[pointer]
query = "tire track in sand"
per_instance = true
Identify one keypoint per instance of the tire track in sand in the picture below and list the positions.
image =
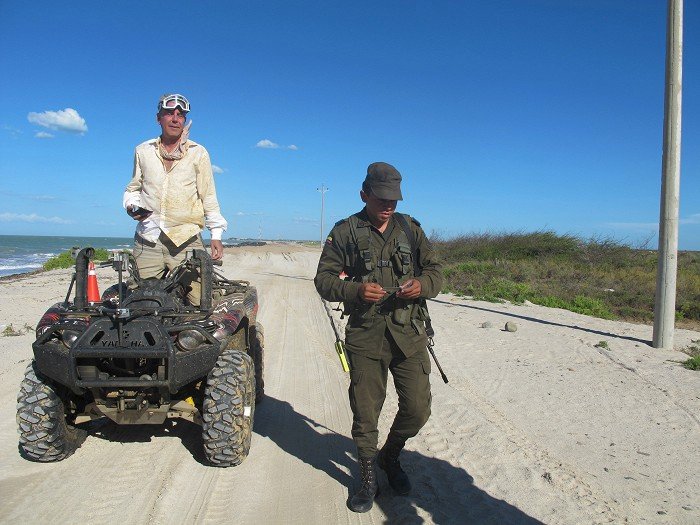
(476, 431)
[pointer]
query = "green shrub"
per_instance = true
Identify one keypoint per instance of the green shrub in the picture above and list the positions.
(65, 259)
(589, 306)
(693, 350)
(9, 331)
(499, 289)
(693, 363)
(600, 276)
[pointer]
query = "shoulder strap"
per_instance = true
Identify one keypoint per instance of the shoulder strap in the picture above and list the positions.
(403, 222)
(362, 243)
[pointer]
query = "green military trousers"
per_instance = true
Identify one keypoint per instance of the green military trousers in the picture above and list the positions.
(367, 392)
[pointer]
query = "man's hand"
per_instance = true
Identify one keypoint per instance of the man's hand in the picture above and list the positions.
(371, 292)
(410, 289)
(137, 213)
(217, 249)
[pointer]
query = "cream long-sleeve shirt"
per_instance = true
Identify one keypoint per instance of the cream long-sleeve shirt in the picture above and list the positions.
(183, 199)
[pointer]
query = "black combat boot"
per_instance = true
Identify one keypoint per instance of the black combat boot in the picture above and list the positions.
(388, 460)
(363, 499)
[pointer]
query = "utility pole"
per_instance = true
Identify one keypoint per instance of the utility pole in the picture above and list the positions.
(323, 190)
(665, 306)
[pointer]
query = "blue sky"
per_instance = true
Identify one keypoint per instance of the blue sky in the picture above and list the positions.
(507, 115)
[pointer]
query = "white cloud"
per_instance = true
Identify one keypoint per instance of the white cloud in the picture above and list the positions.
(268, 144)
(693, 219)
(12, 131)
(633, 225)
(33, 217)
(43, 135)
(62, 120)
(216, 169)
(42, 197)
(248, 214)
(30, 196)
(305, 220)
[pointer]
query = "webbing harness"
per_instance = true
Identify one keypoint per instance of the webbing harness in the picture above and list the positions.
(366, 265)
(406, 252)
(362, 244)
(417, 270)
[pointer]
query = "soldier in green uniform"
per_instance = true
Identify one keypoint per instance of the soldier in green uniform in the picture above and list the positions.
(386, 327)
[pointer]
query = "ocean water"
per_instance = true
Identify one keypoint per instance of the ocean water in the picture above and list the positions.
(26, 253)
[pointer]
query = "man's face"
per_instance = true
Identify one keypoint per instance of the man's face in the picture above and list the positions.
(379, 210)
(171, 122)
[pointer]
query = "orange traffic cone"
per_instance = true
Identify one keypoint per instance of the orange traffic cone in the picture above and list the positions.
(93, 292)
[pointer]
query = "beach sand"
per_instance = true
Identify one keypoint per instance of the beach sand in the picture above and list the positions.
(569, 419)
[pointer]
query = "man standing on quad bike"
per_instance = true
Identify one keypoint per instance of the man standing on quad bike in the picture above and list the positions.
(173, 197)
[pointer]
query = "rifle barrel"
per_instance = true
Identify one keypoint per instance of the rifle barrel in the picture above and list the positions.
(432, 353)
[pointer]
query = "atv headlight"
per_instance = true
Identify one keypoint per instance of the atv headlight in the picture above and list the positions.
(189, 340)
(69, 337)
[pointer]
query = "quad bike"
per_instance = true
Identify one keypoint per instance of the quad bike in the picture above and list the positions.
(141, 354)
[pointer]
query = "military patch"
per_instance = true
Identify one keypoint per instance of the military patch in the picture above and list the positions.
(329, 240)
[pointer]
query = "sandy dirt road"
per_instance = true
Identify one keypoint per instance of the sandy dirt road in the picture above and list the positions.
(538, 425)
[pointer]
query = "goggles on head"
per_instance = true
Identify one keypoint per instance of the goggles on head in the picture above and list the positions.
(173, 101)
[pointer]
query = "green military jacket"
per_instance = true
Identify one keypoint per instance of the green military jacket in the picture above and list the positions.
(390, 265)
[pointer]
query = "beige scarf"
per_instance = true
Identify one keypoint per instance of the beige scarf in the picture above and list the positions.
(181, 148)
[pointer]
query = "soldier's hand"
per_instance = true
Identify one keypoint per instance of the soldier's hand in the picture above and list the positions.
(371, 292)
(410, 289)
(217, 249)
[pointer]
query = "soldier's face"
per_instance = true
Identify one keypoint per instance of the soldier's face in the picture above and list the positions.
(379, 210)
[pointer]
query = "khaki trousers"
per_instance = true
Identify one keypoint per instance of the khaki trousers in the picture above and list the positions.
(153, 258)
(368, 379)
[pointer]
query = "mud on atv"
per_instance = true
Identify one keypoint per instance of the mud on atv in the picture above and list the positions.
(142, 355)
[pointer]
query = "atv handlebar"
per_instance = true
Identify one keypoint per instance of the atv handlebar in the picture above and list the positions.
(195, 260)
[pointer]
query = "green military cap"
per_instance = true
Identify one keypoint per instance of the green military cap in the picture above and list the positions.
(384, 181)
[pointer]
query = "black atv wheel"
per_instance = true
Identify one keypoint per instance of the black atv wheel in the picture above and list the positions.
(228, 409)
(44, 433)
(257, 350)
